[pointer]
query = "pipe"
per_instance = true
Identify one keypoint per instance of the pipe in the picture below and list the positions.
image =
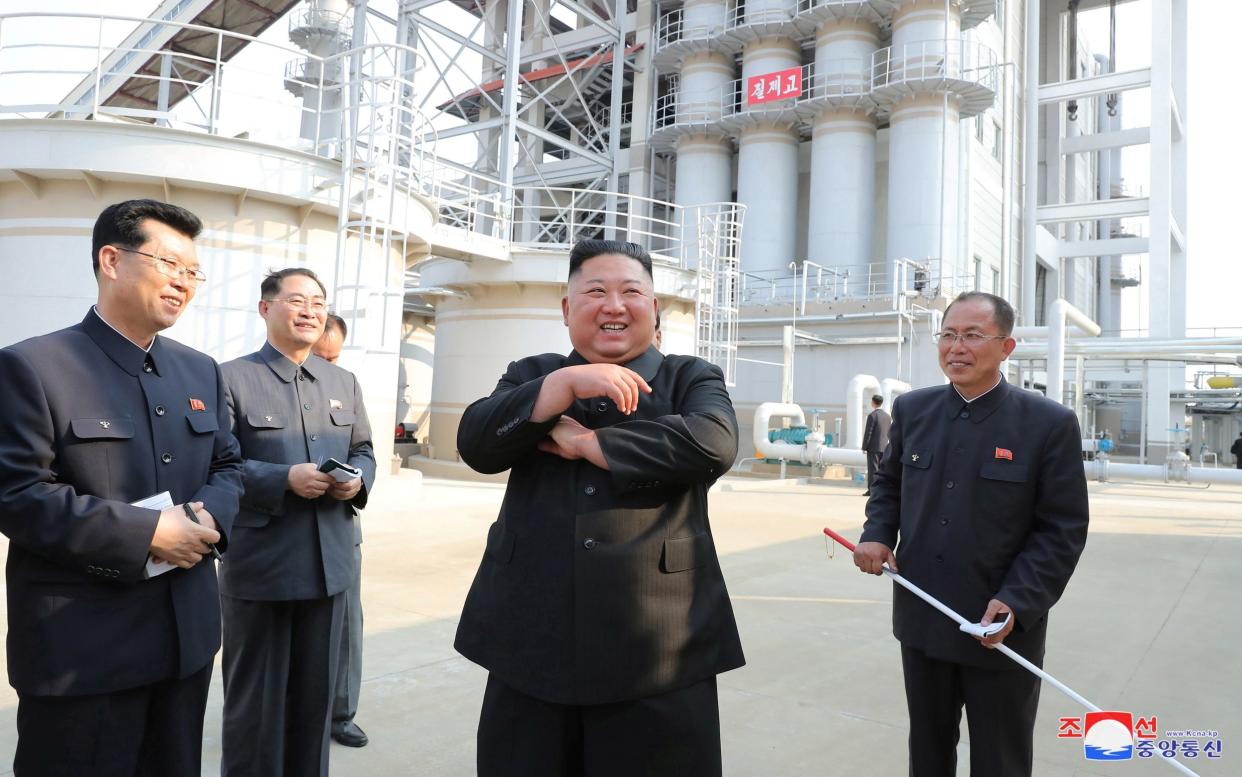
(857, 398)
(764, 414)
(891, 388)
(1059, 313)
(813, 452)
(1176, 471)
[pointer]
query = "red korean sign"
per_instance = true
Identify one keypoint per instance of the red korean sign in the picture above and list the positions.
(781, 85)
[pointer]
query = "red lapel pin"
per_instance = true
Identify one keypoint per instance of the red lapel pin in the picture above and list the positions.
(1004, 453)
(197, 404)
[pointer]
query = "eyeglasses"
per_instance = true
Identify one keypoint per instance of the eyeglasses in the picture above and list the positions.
(316, 305)
(972, 339)
(170, 268)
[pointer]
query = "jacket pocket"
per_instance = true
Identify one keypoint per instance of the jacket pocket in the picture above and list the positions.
(202, 423)
(917, 459)
(1001, 470)
(266, 420)
(343, 417)
(114, 428)
(251, 519)
(500, 543)
(683, 553)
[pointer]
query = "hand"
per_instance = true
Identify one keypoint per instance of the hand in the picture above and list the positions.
(587, 381)
(308, 482)
(205, 518)
(571, 440)
(180, 541)
(996, 607)
(870, 557)
(345, 491)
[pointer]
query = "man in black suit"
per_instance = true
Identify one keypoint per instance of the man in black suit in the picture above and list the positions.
(983, 497)
(599, 608)
(1236, 450)
(875, 437)
(111, 665)
(284, 578)
(349, 668)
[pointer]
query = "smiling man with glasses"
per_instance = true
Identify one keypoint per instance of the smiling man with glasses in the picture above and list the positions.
(111, 665)
(981, 499)
(283, 581)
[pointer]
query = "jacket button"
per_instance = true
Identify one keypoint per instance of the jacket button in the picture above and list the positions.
(306, 405)
(148, 367)
(589, 543)
(602, 406)
(939, 558)
(590, 490)
(159, 410)
(500, 432)
(314, 437)
(944, 521)
(167, 458)
(90, 569)
(965, 414)
(949, 484)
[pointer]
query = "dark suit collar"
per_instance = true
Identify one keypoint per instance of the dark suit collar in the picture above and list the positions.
(646, 364)
(284, 367)
(979, 409)
(120, 348)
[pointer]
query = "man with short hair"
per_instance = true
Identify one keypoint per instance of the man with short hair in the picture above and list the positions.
(111, 664)
(875, 437)
(1236, 450)
(284, 578)
(599, 608)
(349, 668)
(982, 499)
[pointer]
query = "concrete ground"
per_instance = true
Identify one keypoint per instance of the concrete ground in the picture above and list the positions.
(1149, 624)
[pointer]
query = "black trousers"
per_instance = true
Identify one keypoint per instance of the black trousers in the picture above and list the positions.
(152, 730)
(1000, 712)
(873, 463)
(280, 661)
(676, 734)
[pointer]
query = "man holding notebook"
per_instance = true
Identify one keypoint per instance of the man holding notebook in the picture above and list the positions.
(111, 664)
(302, 427)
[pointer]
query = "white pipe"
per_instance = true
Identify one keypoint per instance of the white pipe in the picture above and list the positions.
(763, 415)
(1030, 162)
(891, 388)
(1059, 313)
(1104, 470)
(857, 398)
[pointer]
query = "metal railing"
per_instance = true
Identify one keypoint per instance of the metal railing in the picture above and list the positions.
(934, 63)
(811, 282)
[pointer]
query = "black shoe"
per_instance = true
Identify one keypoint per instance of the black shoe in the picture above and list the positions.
(350, 735)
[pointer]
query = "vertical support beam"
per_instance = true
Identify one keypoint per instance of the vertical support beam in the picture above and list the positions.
(1030, 162)
(1165, 303)
(614, 118)
(513, 59)
(787, 361)
(165, 77)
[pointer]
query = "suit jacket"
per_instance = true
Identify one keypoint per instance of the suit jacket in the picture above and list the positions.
(90, 424)
(603, 585)
(981, 500)
(1236, 448)
(285, 547)
(875, 435)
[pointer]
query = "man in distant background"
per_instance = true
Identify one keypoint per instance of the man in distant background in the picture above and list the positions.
(1236, 450)
(875, 438)
(349, 668)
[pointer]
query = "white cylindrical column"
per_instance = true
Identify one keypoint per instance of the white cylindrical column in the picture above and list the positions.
(767, 169)
(702, 18)
(842, 151)
(923, 139)
(704, 171)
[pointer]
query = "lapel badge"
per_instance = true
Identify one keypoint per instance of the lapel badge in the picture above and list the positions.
(914, 457)
(197, 404)
(106, 424)
(267, 418)
(1004, 453)
(336, 404)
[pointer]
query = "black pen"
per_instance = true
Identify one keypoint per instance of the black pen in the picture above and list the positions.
(189, 513)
